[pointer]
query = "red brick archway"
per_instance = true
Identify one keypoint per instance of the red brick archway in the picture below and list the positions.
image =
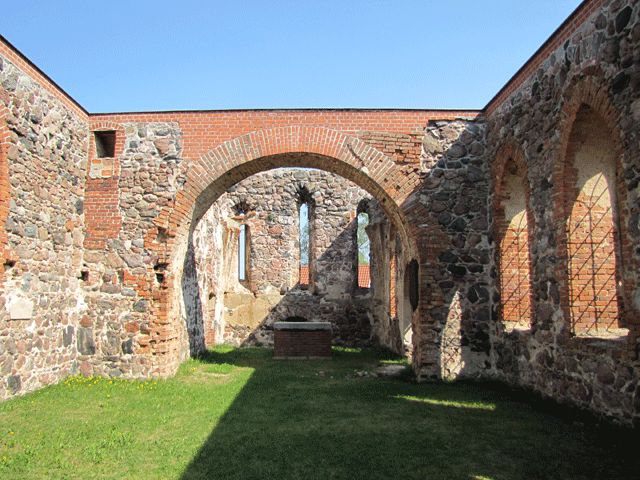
(230, 162)
(331, 150)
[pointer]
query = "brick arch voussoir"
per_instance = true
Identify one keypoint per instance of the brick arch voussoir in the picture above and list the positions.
(507, 151)
(360, 162)
(590, 90)
(355, 160)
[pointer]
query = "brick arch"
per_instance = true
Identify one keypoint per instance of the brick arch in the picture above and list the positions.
(316, 147)
(230, 162)
(509, 150)
(513, 253)
(590, 89)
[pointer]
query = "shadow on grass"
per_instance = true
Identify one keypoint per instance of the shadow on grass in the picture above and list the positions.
(328, 419)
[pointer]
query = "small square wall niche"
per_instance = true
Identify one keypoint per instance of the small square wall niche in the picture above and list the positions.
(105, 143)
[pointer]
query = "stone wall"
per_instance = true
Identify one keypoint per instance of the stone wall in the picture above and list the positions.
(155, 302)
(456, 286)
(571, 117)
(242, 312)
(122, 272)
(108, 268)
(43, 159)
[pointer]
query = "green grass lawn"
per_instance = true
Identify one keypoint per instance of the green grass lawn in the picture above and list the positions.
(240, 414)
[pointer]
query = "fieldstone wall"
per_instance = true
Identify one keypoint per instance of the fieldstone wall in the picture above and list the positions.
(594, 71)
(122, 271)
(456, 288)
(42, 182)
(242, 312)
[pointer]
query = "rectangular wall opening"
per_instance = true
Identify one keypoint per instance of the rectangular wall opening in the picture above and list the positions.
(105, 143)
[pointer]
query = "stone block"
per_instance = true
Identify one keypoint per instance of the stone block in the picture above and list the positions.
(67, 336)
(86, 343)
(19, 306)
(14, 383)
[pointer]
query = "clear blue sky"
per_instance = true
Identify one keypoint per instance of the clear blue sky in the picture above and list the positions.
(183, 54)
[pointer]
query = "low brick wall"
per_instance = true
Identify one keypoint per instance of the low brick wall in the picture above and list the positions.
(299, 342)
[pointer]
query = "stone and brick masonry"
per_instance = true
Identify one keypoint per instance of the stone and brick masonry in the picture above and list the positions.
(242, 312)
(100, 253)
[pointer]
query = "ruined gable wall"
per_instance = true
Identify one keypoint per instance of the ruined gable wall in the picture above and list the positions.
(158, 335)
(42, 179)
(595, 61)
(446, 214)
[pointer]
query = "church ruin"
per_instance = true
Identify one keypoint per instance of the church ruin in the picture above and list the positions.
(502, 243)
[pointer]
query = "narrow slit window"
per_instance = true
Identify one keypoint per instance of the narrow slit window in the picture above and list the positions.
(105, 144)
(393, 298)
(363, 251)
(413, 283)
(242, 253)
(304, 244)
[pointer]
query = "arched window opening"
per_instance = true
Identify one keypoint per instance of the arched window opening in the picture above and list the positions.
(591, 227)
(514, 257)
(242, 213)
(304, 244)
(243, 253)
(241, 209)
(363, 251)
(305, 210)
